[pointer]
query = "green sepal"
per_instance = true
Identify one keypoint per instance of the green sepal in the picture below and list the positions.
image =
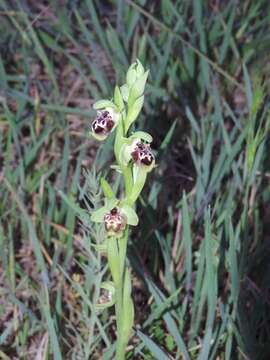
(132, 217)
(118, 99)
(142, 135)
(106, 188)
(102, 104)
(111, 203)
(133, 111)
(98, 215)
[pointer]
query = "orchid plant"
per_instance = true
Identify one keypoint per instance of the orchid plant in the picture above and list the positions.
(134, 160)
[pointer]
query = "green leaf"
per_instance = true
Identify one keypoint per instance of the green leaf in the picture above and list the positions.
(132, 217)
(156, 351)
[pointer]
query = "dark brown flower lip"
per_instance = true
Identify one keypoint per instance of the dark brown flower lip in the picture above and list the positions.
(103, 123)
(114, 221)
(142, 154)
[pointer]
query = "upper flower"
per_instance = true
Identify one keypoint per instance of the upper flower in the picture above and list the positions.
(104, 123)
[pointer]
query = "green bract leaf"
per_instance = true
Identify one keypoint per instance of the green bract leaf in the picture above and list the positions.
(118, 99)
(134, 111)
(132, 217)
(102, 104)
(107, 190)
(142, 135)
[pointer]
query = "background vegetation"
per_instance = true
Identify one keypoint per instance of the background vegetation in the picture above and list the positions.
(200, 257)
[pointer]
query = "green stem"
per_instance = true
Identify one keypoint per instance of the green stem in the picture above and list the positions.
(121, 342)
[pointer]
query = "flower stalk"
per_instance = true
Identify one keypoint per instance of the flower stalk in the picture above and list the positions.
(134, 160)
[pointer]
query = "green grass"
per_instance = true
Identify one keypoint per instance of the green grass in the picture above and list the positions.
(200, 256)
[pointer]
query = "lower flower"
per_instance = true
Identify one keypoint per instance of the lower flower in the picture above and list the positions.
(115, 222)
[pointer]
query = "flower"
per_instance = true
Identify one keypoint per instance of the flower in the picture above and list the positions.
(115, 216)
(141, 153)
(104, 123)
(137, 149)
(115, 222)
